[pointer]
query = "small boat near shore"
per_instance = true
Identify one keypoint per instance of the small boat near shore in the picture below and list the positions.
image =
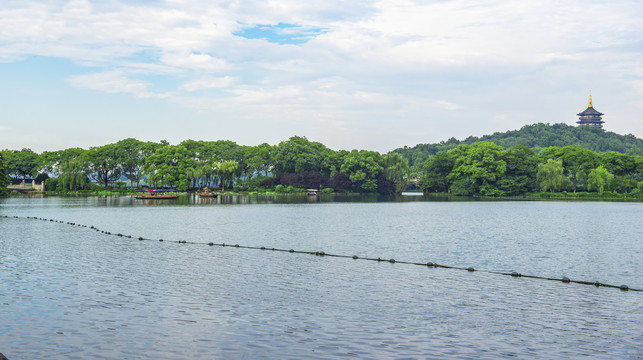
(207, 193)
(157, 197)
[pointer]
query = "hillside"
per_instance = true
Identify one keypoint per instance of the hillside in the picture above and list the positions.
(535, 136)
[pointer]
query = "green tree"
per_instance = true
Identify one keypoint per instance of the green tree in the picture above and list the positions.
(363, 168)
(4, 178)
(130, 157)
(520, 176)
(105, 165)
(436, 171)
(578, 162)
(298, 155)
(21, 164)
(599, 178)
(619, 164)
(168, 166)
(73, 168)
(396, 170)
(259, 158)
(226, 169)
(478, 169)
(550, 175)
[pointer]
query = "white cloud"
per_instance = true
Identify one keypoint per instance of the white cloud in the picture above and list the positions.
(210, 83)
(114, 82)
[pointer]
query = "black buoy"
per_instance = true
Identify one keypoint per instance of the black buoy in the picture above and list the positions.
(597, 284)
(515, 274)
(471, 269)
(160, 239)
(355, 257)
(392, 261)
(140, 238)
(429, 264)
(291, 250)
(236, 245)
(263, 248)
(211, 243)
(565, 279)
(624, 287)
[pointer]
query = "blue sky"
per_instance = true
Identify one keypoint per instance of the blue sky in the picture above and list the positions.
(363, 74)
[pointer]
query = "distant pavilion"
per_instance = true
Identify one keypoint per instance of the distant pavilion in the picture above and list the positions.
(590, 117)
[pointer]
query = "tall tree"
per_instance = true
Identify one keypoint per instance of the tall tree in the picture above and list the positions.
(577, 162)
(21, 163)
(396, 170)
(550, 175)
(478, 169)
(298, 155)
(520, 176)
(436, 171)
(4, 178)
(363, 167)
(105, 163)
(226, 169)
(168, 166)
(130, 156)
(599, 178)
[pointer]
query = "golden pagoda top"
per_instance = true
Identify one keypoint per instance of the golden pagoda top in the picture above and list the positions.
(590, 98)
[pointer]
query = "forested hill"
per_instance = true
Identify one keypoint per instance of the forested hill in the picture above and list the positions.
(536, 137)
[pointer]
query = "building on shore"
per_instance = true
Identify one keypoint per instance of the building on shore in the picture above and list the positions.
(590, 117)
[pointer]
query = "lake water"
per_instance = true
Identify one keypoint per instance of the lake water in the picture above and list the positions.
(71, 292)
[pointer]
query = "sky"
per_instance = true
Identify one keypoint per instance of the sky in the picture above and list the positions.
(374, 75)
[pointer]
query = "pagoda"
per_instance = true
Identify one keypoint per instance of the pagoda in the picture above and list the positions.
(590, 117)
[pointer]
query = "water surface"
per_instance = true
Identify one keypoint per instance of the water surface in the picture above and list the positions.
(71, 292)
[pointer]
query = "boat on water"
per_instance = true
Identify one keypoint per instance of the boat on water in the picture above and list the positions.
(156, 197)
(206, 193)
(312, 192)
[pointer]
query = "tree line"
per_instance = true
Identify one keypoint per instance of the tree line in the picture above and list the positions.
(481, 168)
(191, 164)
(536, 137)
(484, 168)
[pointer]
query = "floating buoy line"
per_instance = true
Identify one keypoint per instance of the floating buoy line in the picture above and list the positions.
(354, 257)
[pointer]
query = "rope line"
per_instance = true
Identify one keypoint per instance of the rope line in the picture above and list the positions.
(354, 257)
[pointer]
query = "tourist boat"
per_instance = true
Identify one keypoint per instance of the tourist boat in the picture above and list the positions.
(206, 193)
(157, 197)
(312, 192)
(153, 195)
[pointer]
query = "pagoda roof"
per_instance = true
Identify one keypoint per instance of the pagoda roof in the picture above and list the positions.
(590, 111)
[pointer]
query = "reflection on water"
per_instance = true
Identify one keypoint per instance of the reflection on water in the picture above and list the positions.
(71, 292)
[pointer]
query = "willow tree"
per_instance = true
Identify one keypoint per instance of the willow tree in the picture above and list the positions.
(74, 172)
(396, 170)
(599, 178)
(550, 175)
